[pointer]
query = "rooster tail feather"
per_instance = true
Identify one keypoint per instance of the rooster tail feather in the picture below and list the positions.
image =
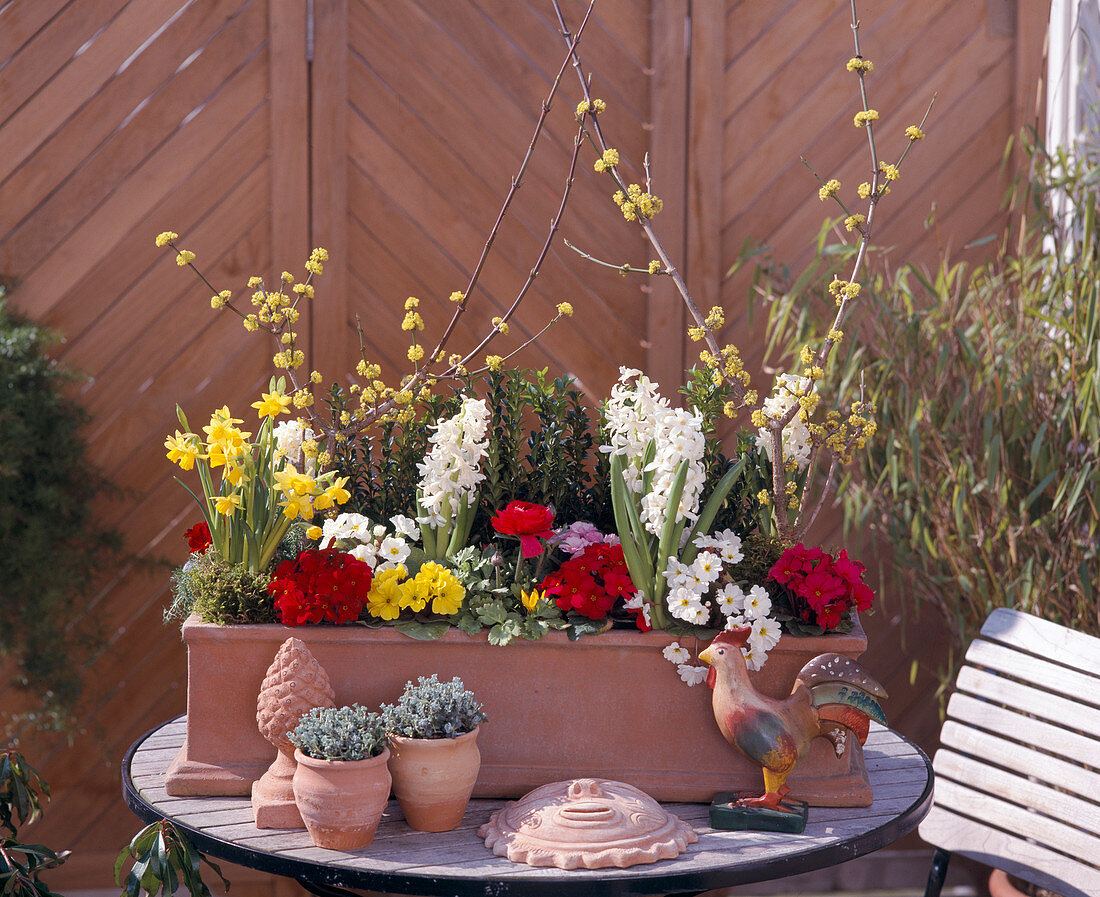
(826, 668)
(832, 716)
(836, 693)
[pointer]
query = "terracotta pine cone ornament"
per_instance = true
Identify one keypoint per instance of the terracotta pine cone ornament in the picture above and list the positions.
(295, 684)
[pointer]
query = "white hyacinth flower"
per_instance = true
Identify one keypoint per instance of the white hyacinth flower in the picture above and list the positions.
(451, 471)
(796, 435)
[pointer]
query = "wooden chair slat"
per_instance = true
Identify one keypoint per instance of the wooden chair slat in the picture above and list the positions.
(997, 813)
(1042, 637)
(1042, 704)
(1027, 760)
(1018, 773)
(1018, 727)
(1013, 786)
(1039, 671)
(1017, 856)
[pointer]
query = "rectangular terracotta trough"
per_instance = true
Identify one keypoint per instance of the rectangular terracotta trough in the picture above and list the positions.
(606, 706)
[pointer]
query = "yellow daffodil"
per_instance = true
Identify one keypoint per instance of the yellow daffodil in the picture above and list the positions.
(274, 403)
(334, 494)
(314, 533)
(183, 449)
(227, 504)
(298, 506)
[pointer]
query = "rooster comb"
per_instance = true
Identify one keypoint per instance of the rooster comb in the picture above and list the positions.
(737, 636)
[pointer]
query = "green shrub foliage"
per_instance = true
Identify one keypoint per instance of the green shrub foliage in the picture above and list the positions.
(220, 592)
(50, 545)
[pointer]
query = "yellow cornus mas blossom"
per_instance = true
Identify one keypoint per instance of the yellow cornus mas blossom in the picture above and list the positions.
(914, 133)
(566, 309)
(864, 66)
(865, 117)
(829, 188)
(163, 239)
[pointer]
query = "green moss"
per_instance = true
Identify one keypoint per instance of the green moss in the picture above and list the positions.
(220, 592)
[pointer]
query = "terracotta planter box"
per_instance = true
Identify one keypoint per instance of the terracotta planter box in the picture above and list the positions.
(605, 706)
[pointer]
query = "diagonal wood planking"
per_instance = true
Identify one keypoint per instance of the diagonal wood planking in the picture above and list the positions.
(124, 118)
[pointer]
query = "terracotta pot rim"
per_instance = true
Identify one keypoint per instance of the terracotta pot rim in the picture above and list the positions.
(196, 629)
(406, 739)
(315, 763)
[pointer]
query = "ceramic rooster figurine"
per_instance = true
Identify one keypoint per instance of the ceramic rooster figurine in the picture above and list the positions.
(831, 694)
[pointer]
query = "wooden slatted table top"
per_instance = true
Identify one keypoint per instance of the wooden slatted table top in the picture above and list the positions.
(401, 860)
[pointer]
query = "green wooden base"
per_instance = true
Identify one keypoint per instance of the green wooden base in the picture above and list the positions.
(727, 816)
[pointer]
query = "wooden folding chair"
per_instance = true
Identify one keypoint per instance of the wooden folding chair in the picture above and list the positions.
(1018, 774)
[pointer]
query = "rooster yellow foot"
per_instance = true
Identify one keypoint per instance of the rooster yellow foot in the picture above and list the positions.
(769, 799)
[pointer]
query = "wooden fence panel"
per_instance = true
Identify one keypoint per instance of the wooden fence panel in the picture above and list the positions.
(387, 131)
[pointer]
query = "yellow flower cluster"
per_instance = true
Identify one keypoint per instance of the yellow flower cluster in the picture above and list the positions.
(655, 266)
(637, 203)
(219, 300)
(493, 362)
(565, 309)
(716, 317)
(843, 289)
(865, 117)
(889, 171)
(829, 188)
(729, 366)
(303, 495)
(595, 107)
(914, 133)
(854, 222)
(434, 585)
(185, 257)
(845, 436)
(166, 237)
(864, 190)
(501, 325)
(609, 159)
(858, 64)
(457, 296)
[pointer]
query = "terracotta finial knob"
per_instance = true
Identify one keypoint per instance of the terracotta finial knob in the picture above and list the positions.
(295, 684)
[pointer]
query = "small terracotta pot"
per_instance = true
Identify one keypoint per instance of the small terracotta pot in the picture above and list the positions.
(433, 779)
(341, 801)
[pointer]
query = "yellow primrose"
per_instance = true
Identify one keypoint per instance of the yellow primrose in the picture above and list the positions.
(442, 587)
(274, 403)
(385, 598)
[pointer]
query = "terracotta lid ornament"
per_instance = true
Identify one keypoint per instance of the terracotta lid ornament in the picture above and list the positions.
(294, 685)
(586, 824)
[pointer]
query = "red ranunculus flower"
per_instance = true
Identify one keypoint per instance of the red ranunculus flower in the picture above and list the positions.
(198, 537)
(320, 586)
(526, 521)
(821, 589)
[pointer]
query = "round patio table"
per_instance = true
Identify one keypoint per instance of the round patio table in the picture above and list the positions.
(401, 860)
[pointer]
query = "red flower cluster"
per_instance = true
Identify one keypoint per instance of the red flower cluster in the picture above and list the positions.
(198, 537)
(320, 586)
(526, 521)
(823, 589)
(591, 582)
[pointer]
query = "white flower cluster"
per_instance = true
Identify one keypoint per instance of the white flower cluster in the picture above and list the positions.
(689, 585)
(289, 436)
(796, 435)
(636, 415)
(374, 543)
(451, 471)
